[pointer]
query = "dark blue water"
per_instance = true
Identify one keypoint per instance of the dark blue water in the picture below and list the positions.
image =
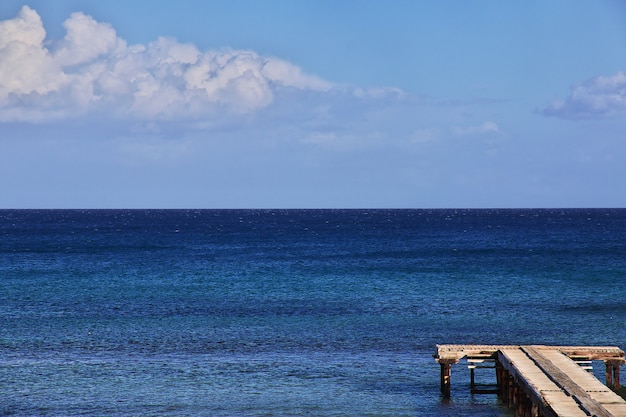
(290, 312)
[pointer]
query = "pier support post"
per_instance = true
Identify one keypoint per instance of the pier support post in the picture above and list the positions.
(445, 379)
(612, 374)
(499, 376)
(503, 382)
(446, 365)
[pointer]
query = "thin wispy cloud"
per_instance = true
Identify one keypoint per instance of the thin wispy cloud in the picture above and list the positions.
(487, 127)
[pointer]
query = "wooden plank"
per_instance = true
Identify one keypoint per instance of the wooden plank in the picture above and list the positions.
(521, 366)
(562, 405)
(457, 352)
(617, 410)
(593, 352)
(584, 379)
(542, 391)
(600, 393)
(563, 380)
(608, 397)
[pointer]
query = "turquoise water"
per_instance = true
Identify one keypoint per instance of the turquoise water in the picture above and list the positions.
(290, 312)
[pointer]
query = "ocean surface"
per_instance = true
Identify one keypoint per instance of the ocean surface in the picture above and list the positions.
(291, 312)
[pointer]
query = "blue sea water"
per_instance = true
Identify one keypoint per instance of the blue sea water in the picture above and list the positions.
(290, 312)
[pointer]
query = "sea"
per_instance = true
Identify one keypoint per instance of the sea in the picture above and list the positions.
(291, 312)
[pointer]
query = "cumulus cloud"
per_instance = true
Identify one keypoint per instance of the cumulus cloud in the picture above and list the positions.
(93, 70)
(596, 97)
(22, 58)
(85, 40)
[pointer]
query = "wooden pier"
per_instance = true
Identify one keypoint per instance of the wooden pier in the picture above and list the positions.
(543, 381)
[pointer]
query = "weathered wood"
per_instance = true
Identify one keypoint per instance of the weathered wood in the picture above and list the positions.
(540, 389)
(445, 379)
(544, 380)
(564, 380)
(458, 352)
(612, 374)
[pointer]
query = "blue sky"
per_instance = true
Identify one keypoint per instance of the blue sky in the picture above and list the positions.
(250, 104)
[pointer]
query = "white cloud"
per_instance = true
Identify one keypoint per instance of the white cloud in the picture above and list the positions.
(289, 75)
(597, 97)
(25, 66)
(320, 138)
(92, 70)
(425, 135)
(484, 128)
(86, 40)
(26, 28)
(378, 93)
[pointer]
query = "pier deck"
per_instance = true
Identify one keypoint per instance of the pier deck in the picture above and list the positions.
(545, 380)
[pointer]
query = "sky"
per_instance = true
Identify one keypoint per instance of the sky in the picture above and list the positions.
(312, 104)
